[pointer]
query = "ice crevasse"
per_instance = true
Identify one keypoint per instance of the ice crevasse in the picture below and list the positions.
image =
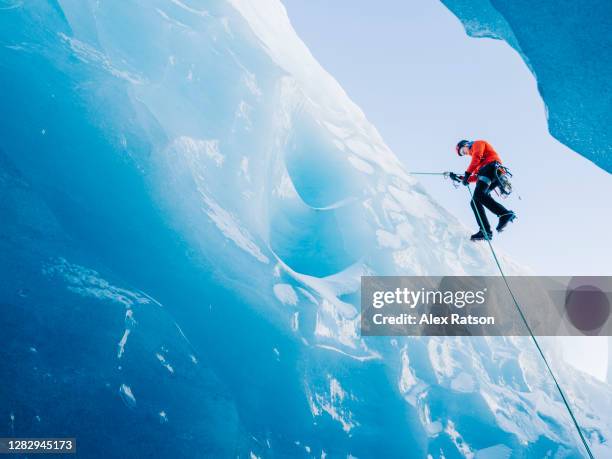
(189, 203)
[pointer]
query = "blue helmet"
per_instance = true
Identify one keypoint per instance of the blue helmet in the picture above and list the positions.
(460, 145)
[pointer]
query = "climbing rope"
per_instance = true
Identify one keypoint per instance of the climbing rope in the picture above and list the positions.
(535, 341)
(523, 318)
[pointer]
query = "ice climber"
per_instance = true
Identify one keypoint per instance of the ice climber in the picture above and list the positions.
(487, 171)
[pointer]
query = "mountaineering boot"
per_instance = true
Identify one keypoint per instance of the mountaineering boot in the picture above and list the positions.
(504, 220)
(480, 236)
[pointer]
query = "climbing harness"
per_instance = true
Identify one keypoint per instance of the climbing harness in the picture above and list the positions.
(503, 175)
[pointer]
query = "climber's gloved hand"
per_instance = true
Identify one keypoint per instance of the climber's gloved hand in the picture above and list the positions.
(466, 177)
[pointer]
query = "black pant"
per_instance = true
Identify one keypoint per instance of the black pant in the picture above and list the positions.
(482, 197)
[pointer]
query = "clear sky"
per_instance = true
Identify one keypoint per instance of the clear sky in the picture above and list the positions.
(425, 85)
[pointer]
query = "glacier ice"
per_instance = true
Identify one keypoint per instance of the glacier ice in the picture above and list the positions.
(566, 46)
(189, 201)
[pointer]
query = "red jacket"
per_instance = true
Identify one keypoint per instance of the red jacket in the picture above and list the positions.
(482, 153)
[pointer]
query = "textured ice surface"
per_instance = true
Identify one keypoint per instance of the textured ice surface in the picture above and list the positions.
(188, 203)
(566, 44)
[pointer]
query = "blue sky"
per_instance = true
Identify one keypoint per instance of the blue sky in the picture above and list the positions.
(425, 84)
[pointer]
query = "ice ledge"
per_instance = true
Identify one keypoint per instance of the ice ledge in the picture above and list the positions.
(564, 45)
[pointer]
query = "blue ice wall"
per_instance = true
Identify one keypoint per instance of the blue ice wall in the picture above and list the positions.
(567, 46)
(188, 202)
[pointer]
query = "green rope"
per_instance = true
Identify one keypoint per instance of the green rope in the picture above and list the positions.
(535, 341)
